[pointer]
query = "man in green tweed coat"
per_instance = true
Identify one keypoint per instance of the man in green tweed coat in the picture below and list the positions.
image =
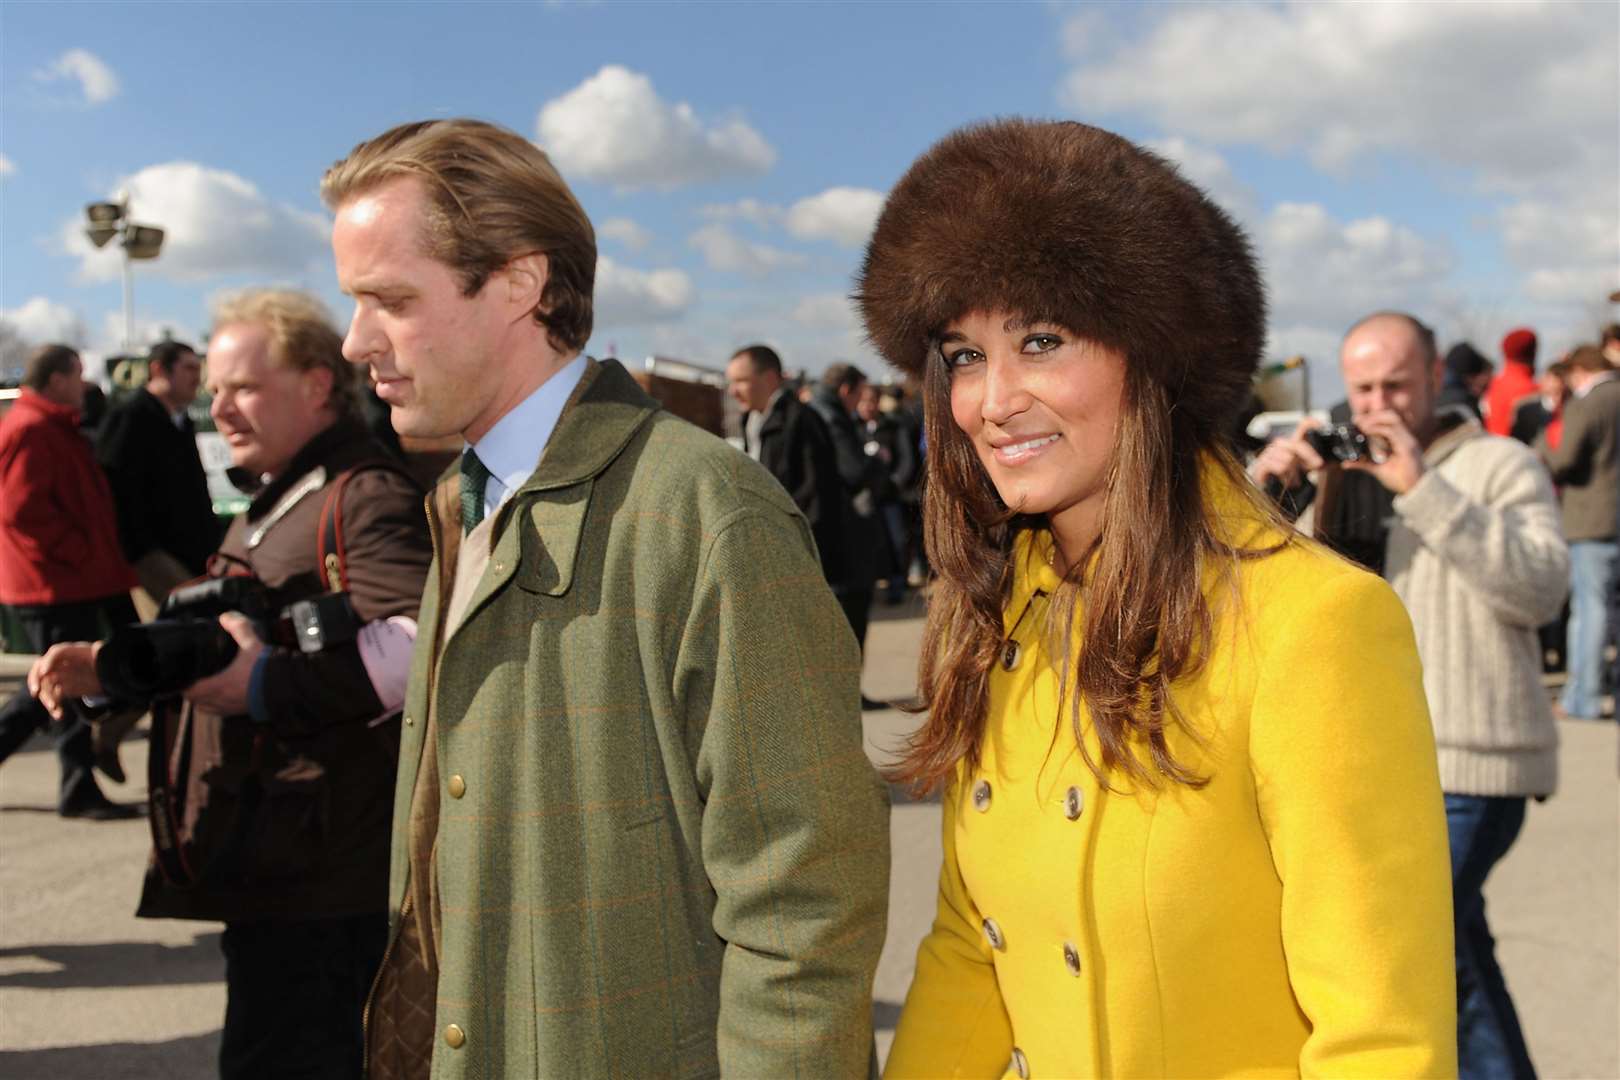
(635, 832)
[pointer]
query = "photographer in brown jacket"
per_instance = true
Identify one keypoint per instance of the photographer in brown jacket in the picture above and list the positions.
(272, 779)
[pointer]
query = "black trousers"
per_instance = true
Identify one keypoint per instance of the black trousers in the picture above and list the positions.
(294, 995)
(44, 625)
(857, 605)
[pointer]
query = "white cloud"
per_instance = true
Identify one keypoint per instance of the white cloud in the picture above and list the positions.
(147, 332)
(614, 128)
(830, 312)
(1322, 270)
(844, 215)
(97, 82)
(626, 296)
(1566, 249)
(1210, 171)
(1518, 91)
(750, 210)
(624, 231)
(7, 168)
(215, 223)
(724, 250)
(41, 321)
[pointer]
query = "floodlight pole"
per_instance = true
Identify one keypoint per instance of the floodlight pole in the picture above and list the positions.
(129, 302)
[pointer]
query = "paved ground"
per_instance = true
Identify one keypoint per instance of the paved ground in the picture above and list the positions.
(88, 992)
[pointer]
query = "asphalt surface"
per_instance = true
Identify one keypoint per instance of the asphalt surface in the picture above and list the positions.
(89, 992)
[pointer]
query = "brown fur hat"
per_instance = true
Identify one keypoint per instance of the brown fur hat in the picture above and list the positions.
(1071, 223)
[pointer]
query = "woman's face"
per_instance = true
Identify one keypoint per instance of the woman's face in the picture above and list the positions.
(1040, 405)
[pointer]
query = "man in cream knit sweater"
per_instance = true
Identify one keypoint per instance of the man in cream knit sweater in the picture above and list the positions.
(1476, 551)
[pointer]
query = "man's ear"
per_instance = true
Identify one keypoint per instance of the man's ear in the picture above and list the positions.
(1437, 377)
(525, 281)
(317, 386)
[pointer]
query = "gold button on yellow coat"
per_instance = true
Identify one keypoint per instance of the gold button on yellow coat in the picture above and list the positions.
(457, 786)
(1292, 917)
(454, 1037)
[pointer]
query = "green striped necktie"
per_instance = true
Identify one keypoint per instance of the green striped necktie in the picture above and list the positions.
(474, 479)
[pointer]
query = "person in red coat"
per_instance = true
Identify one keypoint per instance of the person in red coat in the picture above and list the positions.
(61, 572)
(1516, 380)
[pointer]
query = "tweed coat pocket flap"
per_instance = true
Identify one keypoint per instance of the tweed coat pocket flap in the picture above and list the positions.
(551, 543)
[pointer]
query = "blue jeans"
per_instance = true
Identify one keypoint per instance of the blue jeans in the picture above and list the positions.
(1490, 1044)
(1591, 565)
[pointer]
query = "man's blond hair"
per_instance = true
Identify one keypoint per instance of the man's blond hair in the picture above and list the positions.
(301, 337)
(492, 196)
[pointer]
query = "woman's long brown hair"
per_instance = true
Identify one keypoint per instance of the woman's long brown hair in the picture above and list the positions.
(1147, 622)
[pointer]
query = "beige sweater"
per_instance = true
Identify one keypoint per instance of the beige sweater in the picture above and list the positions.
(1477, 554)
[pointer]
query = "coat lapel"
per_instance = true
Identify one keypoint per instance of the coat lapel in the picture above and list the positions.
(537, 533)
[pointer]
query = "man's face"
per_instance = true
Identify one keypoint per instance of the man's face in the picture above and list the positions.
(265, 410)
(67, 387)
(1384, 367)
(437, 357)
(851, 396)
(750, 387)
(867, 407)
(182, 380)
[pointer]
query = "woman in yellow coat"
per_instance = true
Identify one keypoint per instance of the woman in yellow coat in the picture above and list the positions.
(1192, 817)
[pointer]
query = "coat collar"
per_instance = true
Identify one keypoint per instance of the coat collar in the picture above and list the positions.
(1455, 430)
(603, 414)
(605, 411)
(331, 443)
(776, 415)
(30, 400)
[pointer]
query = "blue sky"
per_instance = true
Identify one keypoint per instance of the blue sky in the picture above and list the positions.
(1458, 160)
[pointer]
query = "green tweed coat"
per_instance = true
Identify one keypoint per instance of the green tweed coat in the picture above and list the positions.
(665, 852)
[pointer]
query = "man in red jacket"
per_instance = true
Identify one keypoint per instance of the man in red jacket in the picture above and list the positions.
(61, 573)
(1516, 380)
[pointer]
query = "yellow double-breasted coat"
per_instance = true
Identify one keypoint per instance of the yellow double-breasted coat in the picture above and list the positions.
(1291, 917)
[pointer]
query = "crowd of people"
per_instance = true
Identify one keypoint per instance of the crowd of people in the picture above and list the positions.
(567, 775)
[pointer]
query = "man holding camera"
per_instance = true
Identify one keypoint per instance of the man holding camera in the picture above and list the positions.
(272, 778)
(1474, 549)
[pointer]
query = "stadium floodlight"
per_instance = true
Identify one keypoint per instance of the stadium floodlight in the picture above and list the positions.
(106, 220)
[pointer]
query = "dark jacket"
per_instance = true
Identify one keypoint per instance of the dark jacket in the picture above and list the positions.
(794, 448)
(158, 483)
(864, 480)
(898, 442)
(1530, 418)
(1586, 464)
(290, 819)
(1455, 393)
(58, 536)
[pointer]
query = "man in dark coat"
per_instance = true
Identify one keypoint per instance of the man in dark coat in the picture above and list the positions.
(279, 822)
(148, 449)
(864, 479)
(790, 440)
(60, 571)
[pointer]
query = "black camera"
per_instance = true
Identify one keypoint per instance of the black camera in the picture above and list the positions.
(1341, 442)
(184, 643)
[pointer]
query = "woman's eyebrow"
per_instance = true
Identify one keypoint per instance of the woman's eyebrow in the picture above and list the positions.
(1025, 322)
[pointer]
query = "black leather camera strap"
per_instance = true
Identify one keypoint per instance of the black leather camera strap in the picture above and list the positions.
(168, 758)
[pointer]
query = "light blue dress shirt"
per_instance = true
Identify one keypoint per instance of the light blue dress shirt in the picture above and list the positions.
(511, 449)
